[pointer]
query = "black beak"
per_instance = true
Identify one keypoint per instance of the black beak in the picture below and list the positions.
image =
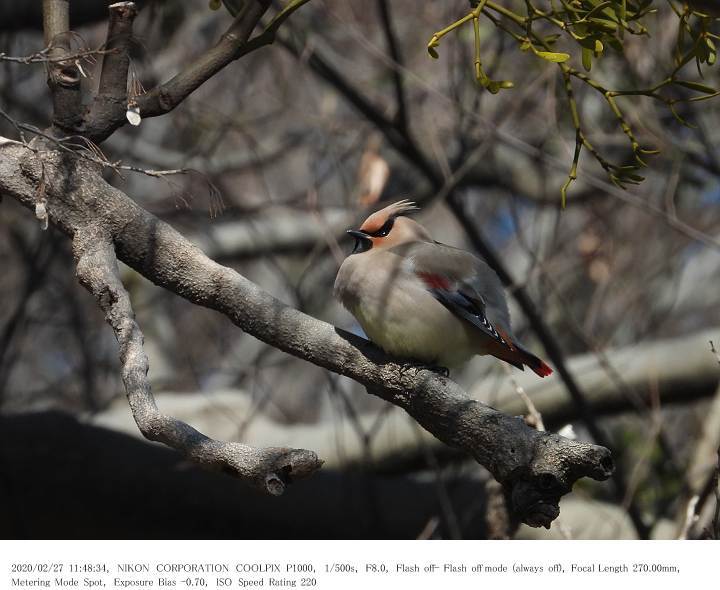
(362, 240)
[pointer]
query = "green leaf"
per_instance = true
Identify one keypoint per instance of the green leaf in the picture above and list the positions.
(696, 86)
(552, 56)
(606, 25)
(431, 47)
(614, 43)
(214, 4)
(587, 58)
(495, 86)
(634, 177)
(581, 30)
(551, 39)
(492, 87)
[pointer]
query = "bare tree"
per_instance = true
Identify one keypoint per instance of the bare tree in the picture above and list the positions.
(59, 175)
(379, 123)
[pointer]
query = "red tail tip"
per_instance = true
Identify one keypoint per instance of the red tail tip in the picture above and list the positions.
(542, 369)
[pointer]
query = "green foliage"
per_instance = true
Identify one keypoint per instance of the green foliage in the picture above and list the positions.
(591, 28)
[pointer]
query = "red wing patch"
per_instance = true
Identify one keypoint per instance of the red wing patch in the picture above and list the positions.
(434, 281)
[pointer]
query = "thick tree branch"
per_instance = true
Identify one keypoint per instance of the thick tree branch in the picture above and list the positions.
(648, 368)
(536, 468)
(63, 76)
(266, 469)
(165, 97)
(111, 101)
(56, 19)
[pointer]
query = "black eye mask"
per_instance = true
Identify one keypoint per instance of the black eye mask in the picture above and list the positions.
(384, 230)
(363, 243)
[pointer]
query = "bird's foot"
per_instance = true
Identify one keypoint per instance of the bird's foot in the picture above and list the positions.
(442, 371)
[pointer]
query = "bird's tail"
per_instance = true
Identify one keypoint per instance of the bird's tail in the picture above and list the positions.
(529, 359)
(519, 357)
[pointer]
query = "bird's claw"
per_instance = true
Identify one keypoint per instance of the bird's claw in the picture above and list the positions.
(442, 371)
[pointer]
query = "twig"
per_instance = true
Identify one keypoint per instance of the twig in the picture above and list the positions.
(44, 56)
(715, 352)
(533, 417)
(84, 148)
(401, 116)
(691, 517)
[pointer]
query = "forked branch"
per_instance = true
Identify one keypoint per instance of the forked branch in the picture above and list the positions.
(535, 468)
(268, 470)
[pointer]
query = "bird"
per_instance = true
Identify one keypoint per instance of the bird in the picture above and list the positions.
(424, 301)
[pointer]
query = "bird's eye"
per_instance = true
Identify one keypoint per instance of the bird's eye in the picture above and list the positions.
(385, 229)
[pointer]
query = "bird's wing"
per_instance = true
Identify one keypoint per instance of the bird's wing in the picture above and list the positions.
(464, 284)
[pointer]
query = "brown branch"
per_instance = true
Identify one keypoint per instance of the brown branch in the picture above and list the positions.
(63, 76)
(268, 469)
(43, 56)
(677, 379)
(111, 101)
(401, 117)
(56, 21)
(165, 97)
(535, 468)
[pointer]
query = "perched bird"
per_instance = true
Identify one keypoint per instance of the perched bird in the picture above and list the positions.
(422, 300)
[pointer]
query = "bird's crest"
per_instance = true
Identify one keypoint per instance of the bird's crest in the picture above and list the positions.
(378, 219)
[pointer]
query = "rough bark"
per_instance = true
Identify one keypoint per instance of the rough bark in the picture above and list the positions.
(266, 469)
(535, 468)
(63, 76)
(111, 101)
(397, 445)
(162, 99)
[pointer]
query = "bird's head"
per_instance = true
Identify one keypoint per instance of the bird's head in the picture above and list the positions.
(388, 227)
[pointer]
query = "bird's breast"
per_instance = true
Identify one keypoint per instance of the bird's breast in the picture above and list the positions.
(399, 314)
